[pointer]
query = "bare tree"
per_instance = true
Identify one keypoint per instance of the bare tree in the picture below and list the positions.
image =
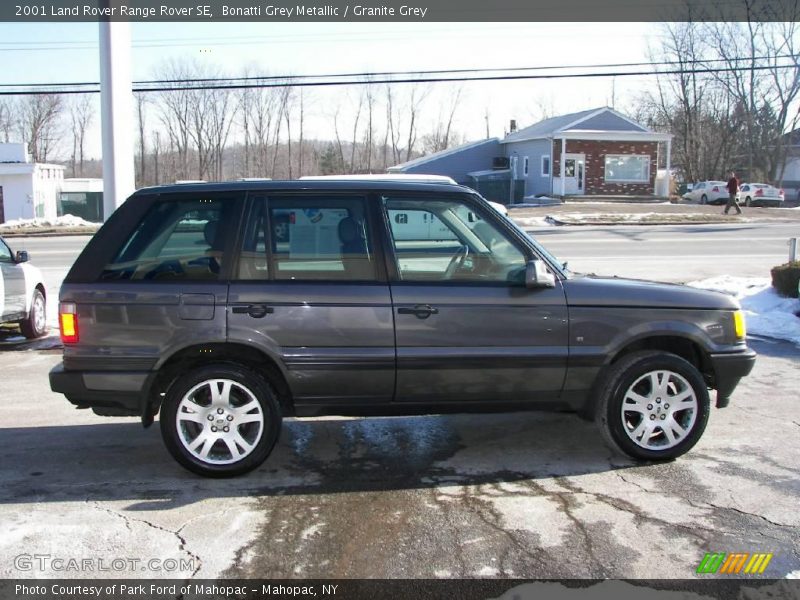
(763, 90)
(81, 112)
(175, 110)
(141, 101)
(39, 123)
(416, 98)
(7, 122)
(441, 137)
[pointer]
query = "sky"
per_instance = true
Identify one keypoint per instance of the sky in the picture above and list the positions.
(67, 52)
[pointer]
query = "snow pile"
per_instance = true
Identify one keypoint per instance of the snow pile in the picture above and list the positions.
(767, 313)
(63, 221)
(527, 222)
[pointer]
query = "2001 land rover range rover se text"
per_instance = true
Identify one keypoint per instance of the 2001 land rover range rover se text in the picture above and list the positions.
(224, 307)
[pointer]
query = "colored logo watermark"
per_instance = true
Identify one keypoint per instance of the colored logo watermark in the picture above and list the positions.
(734, 563)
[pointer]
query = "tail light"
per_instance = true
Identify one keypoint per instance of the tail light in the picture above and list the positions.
(68, 322)
(759, 192)
(781, 192)
(715, 188)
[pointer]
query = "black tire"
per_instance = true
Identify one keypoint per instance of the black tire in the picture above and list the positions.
(748, 201)
(176, 437)
(703, 199)
(615, 424)
(35, 326)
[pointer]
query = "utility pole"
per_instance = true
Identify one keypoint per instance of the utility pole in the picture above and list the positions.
(116, 113)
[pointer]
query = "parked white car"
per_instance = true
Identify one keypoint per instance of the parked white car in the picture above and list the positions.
(708, 192)
(22, 293)
(760, 194)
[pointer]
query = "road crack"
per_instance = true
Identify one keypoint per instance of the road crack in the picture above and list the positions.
(182, 543)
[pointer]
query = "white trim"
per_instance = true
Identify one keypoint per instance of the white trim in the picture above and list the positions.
(590, 134)
(607, 180)
(549, 165)
(619, 136)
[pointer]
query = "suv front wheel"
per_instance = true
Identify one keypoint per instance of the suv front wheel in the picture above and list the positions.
(220, 420)
(653, 405)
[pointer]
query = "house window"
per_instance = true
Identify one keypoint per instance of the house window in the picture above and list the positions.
(545, 166)
(526, 166)
(627, 168)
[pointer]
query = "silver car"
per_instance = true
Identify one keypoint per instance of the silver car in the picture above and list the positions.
(22, 293)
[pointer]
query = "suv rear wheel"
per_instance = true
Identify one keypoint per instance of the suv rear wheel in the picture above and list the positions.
(653, 406)
(220, 420)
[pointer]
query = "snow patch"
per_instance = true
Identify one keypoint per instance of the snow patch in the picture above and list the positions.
(766, 312)
(62, 221)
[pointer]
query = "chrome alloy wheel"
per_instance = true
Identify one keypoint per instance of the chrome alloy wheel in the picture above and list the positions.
(659, 410)
(39, 314)
(219, 421)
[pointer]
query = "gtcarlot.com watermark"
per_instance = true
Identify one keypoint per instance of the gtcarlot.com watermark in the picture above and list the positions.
(73, 564)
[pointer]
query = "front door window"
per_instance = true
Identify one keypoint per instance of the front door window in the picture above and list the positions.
(441, 240)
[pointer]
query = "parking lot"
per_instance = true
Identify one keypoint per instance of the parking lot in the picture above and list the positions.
(505, 495)
(509, 495)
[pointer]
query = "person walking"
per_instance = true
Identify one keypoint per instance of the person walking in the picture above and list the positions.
(733, 191)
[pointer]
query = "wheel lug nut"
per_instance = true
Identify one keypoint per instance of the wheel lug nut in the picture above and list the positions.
(663, 417)
(652, 417)
(220, 411)
(210, 417)
(666, 406)
(230, 417)
(214, 429)
(226, 429)
(649, 407)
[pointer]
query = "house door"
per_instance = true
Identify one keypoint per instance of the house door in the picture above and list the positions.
(574, 173)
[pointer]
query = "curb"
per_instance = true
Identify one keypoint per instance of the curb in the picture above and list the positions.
(558, 222)
(45, 233)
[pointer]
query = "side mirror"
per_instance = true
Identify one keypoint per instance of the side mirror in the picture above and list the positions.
(537, 275)
(22, 256)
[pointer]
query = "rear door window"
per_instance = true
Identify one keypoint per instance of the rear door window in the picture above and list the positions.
(321, 238)
(177, 239)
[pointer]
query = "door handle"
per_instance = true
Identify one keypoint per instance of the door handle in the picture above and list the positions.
(257, 311)
(421, 311)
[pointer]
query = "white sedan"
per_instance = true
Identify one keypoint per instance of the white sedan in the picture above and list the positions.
(760, 194)
(22, 293)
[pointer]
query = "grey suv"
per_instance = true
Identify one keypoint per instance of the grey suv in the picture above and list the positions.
(225, 307)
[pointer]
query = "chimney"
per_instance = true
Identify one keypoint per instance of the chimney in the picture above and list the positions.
(513, 126)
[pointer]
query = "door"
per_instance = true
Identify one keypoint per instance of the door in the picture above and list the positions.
(574, 173)
(467, 328)
(311, 290)
(13, 285)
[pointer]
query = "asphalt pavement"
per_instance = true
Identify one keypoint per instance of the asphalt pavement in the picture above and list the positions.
(507, 495)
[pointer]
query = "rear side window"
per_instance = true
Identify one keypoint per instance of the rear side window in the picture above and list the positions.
(320, 238)
(176, 240)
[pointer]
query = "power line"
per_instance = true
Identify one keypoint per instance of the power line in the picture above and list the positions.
(367, 77)
(344, 82)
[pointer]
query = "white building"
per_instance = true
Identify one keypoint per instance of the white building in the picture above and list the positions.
(27, 190)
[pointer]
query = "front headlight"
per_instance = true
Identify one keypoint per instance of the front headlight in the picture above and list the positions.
(739, 327)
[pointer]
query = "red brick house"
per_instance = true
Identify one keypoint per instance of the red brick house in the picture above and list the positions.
(604, 154)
